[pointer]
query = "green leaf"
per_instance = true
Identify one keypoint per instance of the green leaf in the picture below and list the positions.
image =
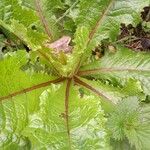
(39, 119)
(59, 15)
(80, 40)
(121, 66)
(26, 13)
(12, 76)
(109, 94)
(23, 35)
(121, 145)
(48, 128)
(19, 93)
(55, 14)
(35, 113)
(128, 121)
(139, 137)
(13, 10)
(105, 16)
(28, 111)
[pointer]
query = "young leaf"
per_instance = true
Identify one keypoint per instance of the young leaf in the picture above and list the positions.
(81, 40)
(68, 69)
(127, 121)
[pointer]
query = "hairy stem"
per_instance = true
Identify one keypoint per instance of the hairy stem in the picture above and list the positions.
(66, 109)
(100, 20)
(29, 89)
(43, 19)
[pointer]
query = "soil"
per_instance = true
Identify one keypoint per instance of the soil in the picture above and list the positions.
(138, 37)
(145, 14)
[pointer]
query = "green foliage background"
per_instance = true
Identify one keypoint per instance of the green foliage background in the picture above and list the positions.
(100, 104)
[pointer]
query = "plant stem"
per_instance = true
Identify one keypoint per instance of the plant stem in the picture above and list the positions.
(66, 110)
(91, 88)
(43, 19)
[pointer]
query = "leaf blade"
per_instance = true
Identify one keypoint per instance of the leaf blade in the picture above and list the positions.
(121, 66)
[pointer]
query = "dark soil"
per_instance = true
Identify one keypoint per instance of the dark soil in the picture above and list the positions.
(145, 14)
(138, 37)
